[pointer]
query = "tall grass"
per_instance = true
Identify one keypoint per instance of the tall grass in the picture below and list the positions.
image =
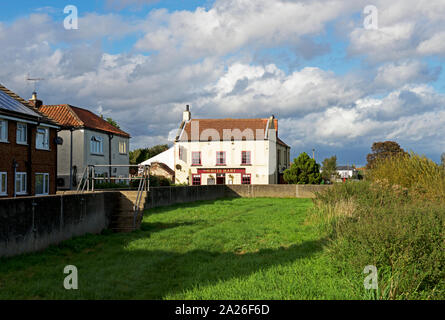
(419, 175)
(394, 221)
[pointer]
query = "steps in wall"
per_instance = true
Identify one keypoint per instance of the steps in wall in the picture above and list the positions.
(122, 219)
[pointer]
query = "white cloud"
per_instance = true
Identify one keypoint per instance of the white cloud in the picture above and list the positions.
(408, 71)
(233, 24)
(407, 29)
(204, 58)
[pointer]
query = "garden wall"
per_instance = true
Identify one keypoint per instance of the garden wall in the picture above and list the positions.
(32, 223)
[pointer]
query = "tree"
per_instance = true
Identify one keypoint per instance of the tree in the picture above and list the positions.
(329, 171)
(112, 122)
(303, 170)
(442, 160)
(383, 150)
(140, 155)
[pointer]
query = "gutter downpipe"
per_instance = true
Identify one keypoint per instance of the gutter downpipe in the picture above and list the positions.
(110, 137)
(71, 158)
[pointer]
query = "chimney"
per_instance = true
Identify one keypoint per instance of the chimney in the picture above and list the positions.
(34, 101)
(186, 115)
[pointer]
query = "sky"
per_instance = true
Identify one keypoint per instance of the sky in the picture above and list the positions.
(337, 76)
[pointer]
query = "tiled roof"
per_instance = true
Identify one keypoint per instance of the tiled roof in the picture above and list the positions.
(26, 109)
(74, 117)
(220, 125)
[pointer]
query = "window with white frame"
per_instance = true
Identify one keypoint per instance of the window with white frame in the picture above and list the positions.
(122, 147)
(220, 158)
(42, 138)
(21, 136)
(245, 157)
(20, 183)
(42, 183)
(3, 130)
(3, 183)
(97, 145)
(196, 158)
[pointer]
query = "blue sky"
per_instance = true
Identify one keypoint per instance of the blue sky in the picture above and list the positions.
(334, 85)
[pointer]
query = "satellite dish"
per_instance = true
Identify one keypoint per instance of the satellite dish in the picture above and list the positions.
(58, 140)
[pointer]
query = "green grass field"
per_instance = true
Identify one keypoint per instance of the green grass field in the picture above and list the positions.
(227, 249)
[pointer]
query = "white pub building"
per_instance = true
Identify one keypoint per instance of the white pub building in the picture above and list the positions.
(229, 151)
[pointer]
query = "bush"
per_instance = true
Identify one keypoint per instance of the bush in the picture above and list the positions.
(418, 174)
(394, 221)
(303, 170)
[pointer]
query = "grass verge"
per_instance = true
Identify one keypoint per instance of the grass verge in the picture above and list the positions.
(226, 249)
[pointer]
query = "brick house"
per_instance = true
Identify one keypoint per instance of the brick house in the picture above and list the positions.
(28, 147)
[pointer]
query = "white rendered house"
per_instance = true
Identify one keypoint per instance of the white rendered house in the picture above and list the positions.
(229, 151)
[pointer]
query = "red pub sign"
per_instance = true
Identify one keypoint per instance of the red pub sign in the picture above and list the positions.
(222, 170)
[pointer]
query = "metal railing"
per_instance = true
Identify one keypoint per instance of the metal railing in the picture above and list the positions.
(89, 178)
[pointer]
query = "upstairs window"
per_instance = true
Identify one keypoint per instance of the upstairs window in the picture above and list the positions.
(3, 130)
(96, 145)
(42, 138)
(196, 158)
(220, 158)
(245, 157)
(21, 133)
(122, 147)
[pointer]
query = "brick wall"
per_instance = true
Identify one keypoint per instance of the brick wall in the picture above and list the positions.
(29, 159)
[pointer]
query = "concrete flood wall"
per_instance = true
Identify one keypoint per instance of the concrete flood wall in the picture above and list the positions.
(165, 196)
(33, 223)
(30, 224)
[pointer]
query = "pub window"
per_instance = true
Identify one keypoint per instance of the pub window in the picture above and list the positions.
(245, 157)
(196, 158)
(220, 157)
(196, 180)
(245, 179)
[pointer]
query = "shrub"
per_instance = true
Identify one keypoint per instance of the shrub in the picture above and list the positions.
(303, 170)
(422, 177)
(386, 225)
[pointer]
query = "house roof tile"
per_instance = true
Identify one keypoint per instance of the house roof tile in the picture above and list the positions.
(73, 117)
(224, 126)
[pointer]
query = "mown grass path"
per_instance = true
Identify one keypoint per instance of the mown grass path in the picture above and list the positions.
(225, 249)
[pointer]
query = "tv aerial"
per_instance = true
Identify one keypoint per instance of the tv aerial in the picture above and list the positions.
(35, 80)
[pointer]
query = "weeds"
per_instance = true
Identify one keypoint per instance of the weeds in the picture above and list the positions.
(394, 221)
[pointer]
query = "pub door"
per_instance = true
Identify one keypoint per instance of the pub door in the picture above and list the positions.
(221, 178)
